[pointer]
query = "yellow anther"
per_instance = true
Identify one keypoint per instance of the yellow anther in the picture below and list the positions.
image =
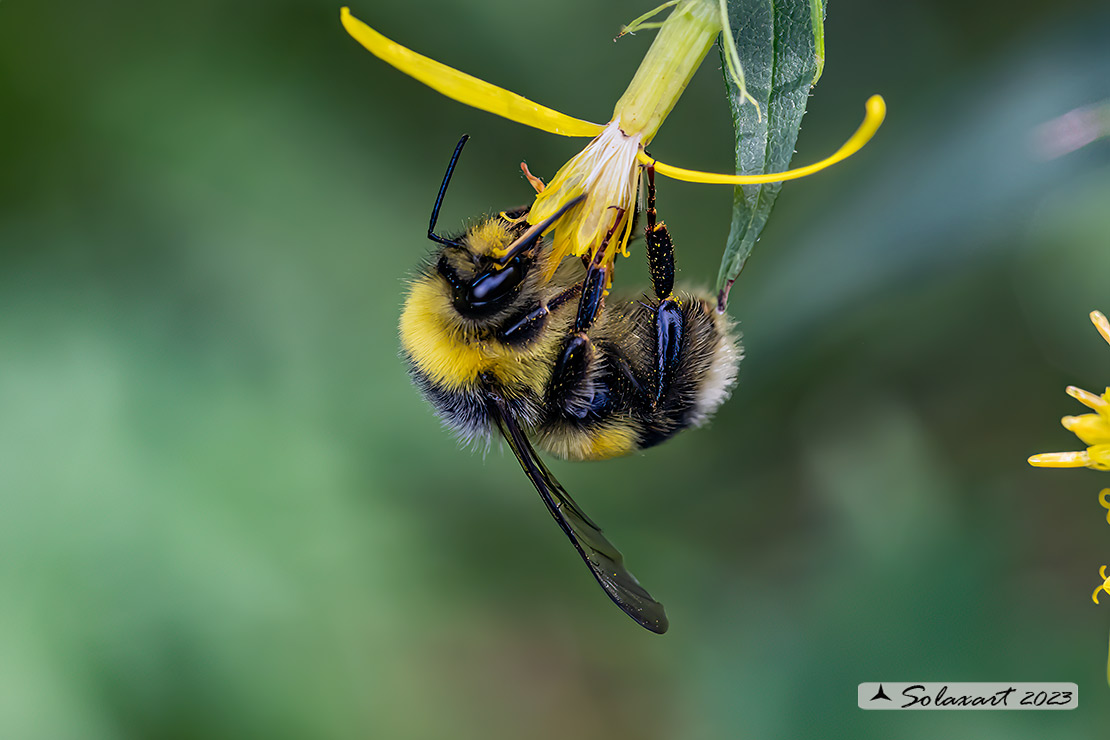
(535, 182)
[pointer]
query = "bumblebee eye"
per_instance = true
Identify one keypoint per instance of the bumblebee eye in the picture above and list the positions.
(484, 292)
(495, 285)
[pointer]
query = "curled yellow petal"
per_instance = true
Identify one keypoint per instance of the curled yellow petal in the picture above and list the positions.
(1104, 586)
(876, 112)
(1060, 460)
(463, 87)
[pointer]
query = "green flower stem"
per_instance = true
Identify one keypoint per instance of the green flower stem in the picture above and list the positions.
(679, 48)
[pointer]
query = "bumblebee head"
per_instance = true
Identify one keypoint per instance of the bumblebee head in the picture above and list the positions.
(488, 266)
(481, 284)
(487, 270)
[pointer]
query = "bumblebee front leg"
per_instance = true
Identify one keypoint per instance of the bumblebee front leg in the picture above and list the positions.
(527, 326)
(668, 314)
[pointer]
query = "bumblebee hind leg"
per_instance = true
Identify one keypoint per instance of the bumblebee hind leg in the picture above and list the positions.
(694, 366)
(693, 359)
(669, 321)
(660, 248)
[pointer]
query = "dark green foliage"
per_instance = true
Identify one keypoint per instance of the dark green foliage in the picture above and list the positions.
(778, 47)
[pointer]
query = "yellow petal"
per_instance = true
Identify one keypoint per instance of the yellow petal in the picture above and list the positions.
(1093, 429)
(463, 87)
(1101, 324)
(876, 112)
(1099, 456)
(1088, 399)
(1060, 460)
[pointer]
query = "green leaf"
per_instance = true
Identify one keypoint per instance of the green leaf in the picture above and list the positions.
(782, 50)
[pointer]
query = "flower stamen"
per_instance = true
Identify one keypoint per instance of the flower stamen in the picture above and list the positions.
(535, 182)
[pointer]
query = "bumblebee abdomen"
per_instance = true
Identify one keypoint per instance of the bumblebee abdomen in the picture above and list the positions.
(632, 406)
(600, 438)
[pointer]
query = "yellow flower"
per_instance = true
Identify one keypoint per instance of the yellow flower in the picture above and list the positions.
(1104, 586)
(608, 170)
(1092, 429)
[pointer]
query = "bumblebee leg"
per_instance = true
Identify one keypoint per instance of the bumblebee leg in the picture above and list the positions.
(686, 369)
(525, 327)
(575, 388)
(660, 248)
(596, 283)
(593, 292)
(572, 386)
(572, 390)
(669, 336)
(668, 314)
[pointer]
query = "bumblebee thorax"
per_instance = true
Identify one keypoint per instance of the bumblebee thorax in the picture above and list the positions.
(490, 237)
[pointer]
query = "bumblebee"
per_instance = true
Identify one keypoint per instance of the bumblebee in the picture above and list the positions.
(498, 338)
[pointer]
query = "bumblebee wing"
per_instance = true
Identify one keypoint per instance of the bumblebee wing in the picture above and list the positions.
(602, 557)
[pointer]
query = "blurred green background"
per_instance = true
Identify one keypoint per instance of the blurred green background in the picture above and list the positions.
(224, 512)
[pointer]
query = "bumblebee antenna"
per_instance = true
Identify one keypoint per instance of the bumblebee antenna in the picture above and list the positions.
(443, 191)
(528, 238)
